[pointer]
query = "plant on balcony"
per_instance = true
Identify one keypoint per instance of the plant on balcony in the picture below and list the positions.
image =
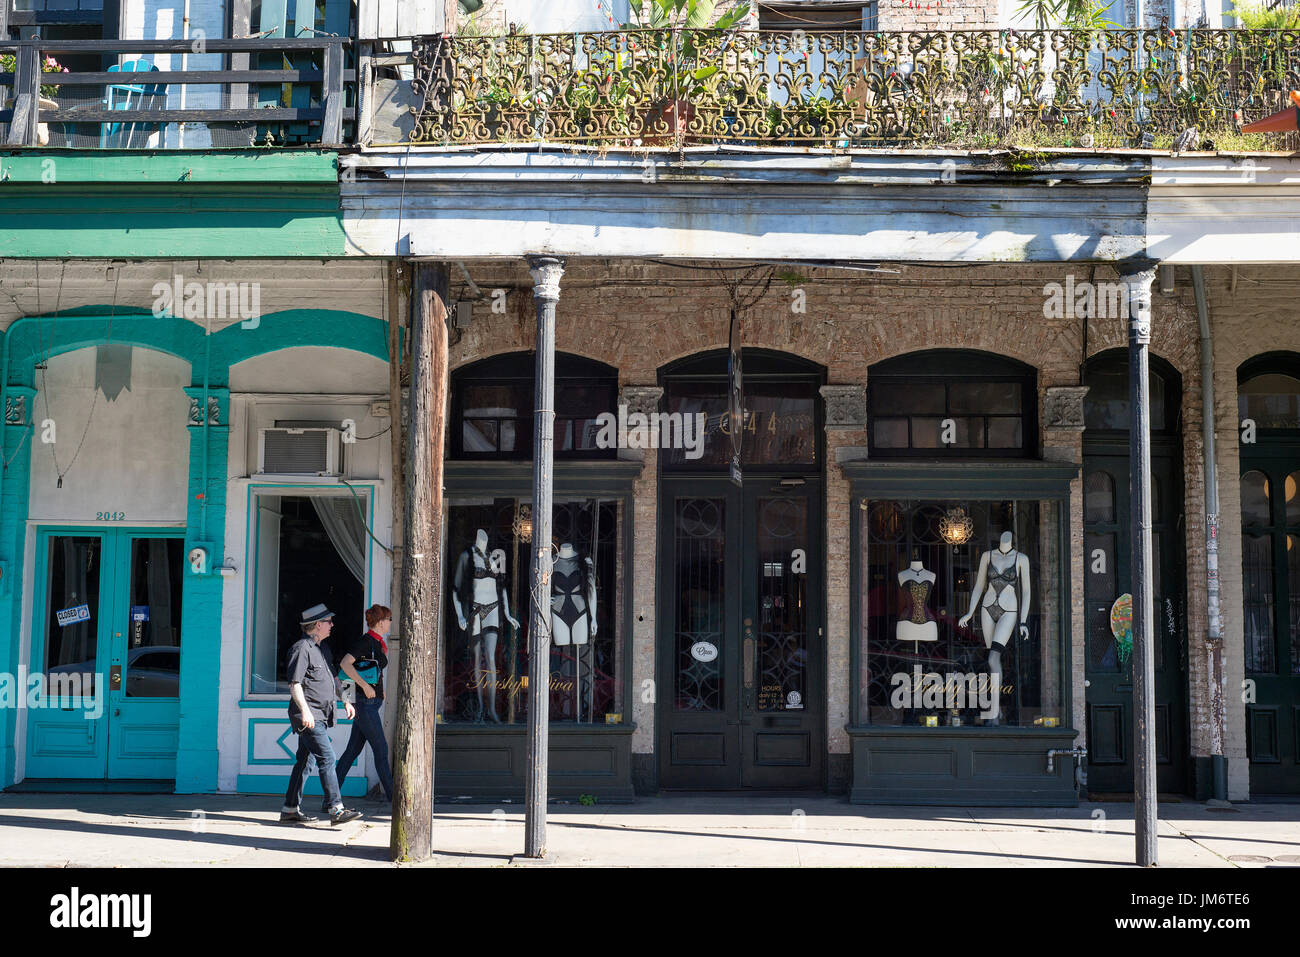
(9, 62)
(686, 32)
(1070, 14)
(1258, 16)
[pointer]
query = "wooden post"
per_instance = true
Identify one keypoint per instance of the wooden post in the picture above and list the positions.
(546, 271)
(1141, 585)
(421, 601)
(27, 96)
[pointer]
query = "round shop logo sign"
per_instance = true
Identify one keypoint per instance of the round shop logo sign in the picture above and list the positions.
(794, 700)
(704, 651)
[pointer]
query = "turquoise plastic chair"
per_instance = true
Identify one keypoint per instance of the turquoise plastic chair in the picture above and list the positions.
(130, 96)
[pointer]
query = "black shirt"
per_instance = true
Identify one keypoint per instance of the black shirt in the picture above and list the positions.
(364, 649)
(310, 666)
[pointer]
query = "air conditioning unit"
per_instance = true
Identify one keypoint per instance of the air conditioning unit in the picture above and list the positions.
(300, 452)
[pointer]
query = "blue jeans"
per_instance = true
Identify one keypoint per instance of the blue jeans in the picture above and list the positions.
(368, 728)
(314, 743)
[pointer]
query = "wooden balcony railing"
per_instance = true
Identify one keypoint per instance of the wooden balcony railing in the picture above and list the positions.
(1101, 88)
(263, 92)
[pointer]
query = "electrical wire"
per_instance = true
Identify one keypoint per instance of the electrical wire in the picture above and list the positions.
(94, 402)
(362, 512)
(364, 438)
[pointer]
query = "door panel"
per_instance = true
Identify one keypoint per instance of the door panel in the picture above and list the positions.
(1270, 514)
(69, 740)
(740, 646)
(1107, 517)
(119, 592)
(145, 721)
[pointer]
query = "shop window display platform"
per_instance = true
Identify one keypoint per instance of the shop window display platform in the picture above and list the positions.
(970, 767)
(490, 762)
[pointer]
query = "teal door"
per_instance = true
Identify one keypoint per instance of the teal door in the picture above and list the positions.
(106, 643)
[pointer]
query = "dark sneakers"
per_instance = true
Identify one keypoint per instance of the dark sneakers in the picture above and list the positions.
(343, 815)
(296, 817)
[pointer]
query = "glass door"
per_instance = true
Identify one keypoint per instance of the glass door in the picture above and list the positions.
(740, 586)
(781, 706)
(106, 644)
(66, 732)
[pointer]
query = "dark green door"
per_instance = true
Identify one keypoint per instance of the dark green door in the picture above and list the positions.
(1109, 671)
(1270, 560)
(740, 636)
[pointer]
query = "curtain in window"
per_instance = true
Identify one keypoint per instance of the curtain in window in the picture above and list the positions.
(346, 528)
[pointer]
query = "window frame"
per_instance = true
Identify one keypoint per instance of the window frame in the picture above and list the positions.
(946, 367)
(518, 368)
(367, 489)
(789, 16)
(607, 481)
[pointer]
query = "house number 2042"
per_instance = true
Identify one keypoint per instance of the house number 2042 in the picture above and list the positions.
(110, 516)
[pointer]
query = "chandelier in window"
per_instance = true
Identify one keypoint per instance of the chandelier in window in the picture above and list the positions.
(523, 523)
(956, 526)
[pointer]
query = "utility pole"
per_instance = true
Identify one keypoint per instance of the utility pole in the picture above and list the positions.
(411, 838)
(1140, 279)
(546, 271)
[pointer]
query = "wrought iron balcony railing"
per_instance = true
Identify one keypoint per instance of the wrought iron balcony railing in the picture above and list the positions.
(1101, 88)
(231, 93)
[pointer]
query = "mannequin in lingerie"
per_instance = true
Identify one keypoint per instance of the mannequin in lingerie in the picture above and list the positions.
(1001, 594)
(915, 622)
(479, 597)
(573, 597)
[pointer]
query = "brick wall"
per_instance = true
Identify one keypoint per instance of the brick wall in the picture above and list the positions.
(937, 14)
(639, 316)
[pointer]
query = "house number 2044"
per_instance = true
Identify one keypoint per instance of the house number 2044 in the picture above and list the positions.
(110, 516)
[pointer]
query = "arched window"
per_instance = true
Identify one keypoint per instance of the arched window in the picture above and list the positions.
(492, 407)
(952, 404)
(1268, 392)
(1106, 406)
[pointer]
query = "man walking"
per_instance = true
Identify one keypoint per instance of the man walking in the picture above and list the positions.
(313, 690)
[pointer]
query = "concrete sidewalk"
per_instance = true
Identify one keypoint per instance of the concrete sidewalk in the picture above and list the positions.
(124, 830)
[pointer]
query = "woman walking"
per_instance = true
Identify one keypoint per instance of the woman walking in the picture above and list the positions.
(364, 663)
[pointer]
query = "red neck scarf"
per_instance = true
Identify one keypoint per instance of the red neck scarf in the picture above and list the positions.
(379, 638)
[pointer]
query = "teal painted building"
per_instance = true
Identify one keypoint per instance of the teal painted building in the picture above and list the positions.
(195, 446)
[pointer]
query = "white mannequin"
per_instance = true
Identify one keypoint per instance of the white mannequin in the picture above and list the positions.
(482, 622)
(570, 598)
(909, 629)
(1001, 609)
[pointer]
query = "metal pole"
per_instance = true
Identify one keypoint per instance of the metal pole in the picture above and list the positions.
(546, 271)
(1144, 712)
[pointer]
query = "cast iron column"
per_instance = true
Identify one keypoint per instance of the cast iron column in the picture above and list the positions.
(1139, 280)
(546, 271)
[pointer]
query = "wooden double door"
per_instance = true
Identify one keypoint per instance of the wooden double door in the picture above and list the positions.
(741, 682)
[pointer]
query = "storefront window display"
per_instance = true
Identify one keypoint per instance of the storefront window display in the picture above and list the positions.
(485, 636)
(961, 613)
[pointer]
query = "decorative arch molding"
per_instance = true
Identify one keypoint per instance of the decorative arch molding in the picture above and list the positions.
(26, 340)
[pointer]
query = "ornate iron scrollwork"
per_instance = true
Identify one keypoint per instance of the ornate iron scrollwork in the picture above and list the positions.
(955, 88)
